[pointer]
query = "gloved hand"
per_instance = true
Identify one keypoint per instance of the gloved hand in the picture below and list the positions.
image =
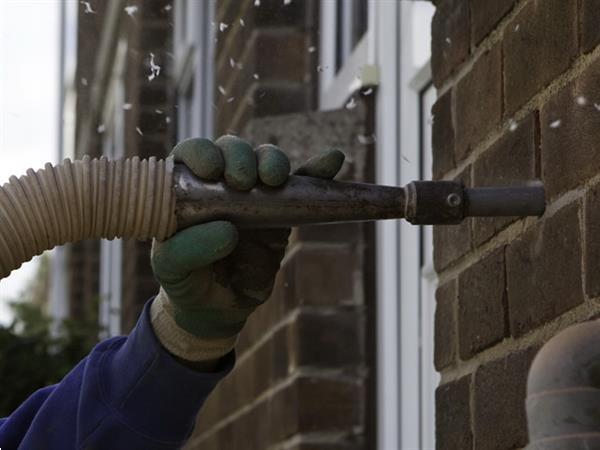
(213, 276)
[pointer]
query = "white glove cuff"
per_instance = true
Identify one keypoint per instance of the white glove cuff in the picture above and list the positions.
(180, 342)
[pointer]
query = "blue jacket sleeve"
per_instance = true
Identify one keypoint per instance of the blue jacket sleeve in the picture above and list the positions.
(128, 393)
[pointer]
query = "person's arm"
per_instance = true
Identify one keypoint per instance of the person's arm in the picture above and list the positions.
(145, 390)
(128, 393)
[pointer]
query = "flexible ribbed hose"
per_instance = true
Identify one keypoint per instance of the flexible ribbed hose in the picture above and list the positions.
(86, 199)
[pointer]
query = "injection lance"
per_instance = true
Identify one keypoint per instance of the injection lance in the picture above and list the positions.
(151, 198)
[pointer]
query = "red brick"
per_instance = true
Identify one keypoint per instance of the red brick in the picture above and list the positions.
(590, 24)
(485, 15)
(327, 340)
(478, 102)
(544, 271)
(324, 275)
(482, 305)
(511, 160)
(453, 417)
(445, 325)
(442, 136)
(449, 38)
(539, 44)
(570, 133)
(450, 242)
(592, 243)
(328, 404)
(499, 420)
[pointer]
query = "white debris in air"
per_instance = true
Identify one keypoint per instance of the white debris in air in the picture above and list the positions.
(597, 106)
(131, 10)
(366, 140)
(101, 128)
(139, 131)
(351, 103)
(368, 91)
(222, 90)
(154, 68)
(232, 62)
(158, 111)
(223, 26)
(167, 119)
(127, 106)
(87, 8)
(256, 2)
(230, 99)
(513, 125)
(287, 2)
(168, 8)
(312, 49)
(84, 81)
(256, 77)
(242, 23)
(581, 100)
(556, 123)
(517, 26)
(448, 40)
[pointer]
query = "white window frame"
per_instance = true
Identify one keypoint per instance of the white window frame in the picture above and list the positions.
(406, 377)
(111, 252)
(194, 67)
(358, 70)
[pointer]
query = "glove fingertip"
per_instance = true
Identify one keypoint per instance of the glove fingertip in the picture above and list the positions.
(202, 157)
(273, 165)
(325, 165)
(240, 162)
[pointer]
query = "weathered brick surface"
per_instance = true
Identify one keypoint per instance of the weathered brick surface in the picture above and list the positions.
(485, 15)
(449, 38)
(327, 341)
(499, 420)
(450, 242)
(592, 242)
(478, 102)
(539, 44)
(453, 420)
(324, 275)
(511, 160)
(305, 405)
(590, 24)
(442, 139)
(445, 325)
(328, 404)
(544, 271)
(570, 131)
(482, 305)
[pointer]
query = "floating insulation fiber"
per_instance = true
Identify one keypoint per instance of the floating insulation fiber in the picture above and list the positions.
(86, 199)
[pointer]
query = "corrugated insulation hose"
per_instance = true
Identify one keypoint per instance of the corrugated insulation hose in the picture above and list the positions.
(84, 199)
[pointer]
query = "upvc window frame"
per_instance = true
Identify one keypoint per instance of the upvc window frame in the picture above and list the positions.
(405, 415)
(194, 35)
(358, 69)
(111, 252)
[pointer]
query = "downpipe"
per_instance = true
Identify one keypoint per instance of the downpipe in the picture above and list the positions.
(146, 199)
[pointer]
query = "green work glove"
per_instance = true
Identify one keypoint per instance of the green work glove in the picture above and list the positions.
(213, 276)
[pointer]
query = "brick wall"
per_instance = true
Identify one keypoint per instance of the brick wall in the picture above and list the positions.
(519, 99)
(262, 63)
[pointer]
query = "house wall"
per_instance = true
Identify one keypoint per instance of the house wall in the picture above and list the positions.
(519, 99)
(273, 72)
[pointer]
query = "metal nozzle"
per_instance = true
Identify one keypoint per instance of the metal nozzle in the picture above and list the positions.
(306, 200)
